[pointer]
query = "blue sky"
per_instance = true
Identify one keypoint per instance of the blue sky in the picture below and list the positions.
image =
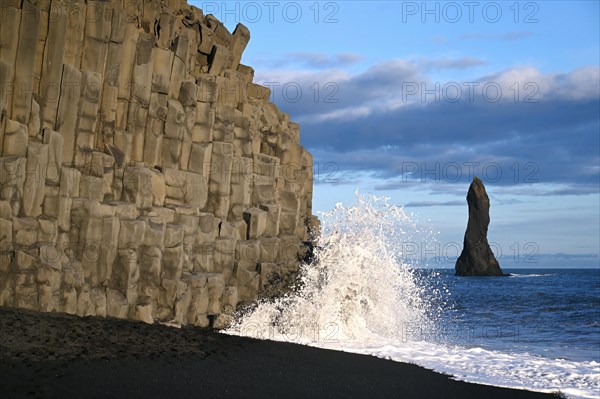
(410, 99)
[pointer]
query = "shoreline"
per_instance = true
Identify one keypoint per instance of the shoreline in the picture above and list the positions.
(60, 355)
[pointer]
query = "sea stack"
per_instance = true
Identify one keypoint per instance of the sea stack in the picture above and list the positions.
(477, 258)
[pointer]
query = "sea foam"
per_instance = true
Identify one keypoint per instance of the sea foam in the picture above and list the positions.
(363, 295)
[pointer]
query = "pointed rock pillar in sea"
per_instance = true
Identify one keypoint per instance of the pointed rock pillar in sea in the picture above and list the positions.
(477, 258)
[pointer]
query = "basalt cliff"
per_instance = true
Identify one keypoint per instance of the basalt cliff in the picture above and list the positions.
(143, 174)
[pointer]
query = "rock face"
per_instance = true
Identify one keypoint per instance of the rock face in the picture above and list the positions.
(477, 258)
(143, 174)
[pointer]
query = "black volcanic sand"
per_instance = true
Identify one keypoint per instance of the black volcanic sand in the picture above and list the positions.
(63, 356)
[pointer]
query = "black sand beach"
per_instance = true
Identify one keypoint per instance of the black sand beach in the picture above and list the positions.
(57, 355)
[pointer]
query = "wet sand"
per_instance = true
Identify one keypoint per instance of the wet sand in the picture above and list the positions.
(54, 355)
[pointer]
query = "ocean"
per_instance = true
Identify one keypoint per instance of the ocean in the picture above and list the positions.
(538, 329)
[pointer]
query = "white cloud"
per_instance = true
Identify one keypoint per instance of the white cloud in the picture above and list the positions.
(528, 83)
(580, 84)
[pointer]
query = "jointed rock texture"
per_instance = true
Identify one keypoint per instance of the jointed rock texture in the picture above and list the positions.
(477, 258)
(143, 175)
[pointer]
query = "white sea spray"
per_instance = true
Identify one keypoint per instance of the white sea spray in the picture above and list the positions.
(365, 294)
